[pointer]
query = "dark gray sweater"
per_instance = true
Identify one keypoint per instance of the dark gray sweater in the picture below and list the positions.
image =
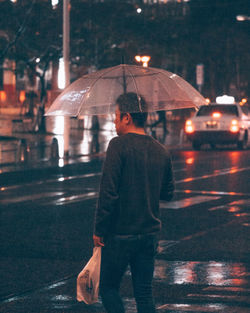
(137, 173)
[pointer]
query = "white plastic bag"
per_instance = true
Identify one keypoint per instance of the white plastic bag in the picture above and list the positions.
(88, 279)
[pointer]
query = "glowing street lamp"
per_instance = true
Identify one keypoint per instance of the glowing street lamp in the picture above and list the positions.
(242, 18)
(54, 3)
(144, 59)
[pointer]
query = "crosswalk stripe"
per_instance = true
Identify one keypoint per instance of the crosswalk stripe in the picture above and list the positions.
(235, 205)
(212, 192)
(202, 308)
(238, 298)
(93, 195)
(179, 204)
(50, 180)
(75, 198)
(31, 197)
(221, 172)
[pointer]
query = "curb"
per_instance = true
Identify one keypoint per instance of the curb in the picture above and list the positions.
(23, 173)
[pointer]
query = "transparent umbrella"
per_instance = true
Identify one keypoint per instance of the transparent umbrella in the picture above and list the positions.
(96, 93)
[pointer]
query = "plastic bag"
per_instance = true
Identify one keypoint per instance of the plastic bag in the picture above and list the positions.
(89, 278)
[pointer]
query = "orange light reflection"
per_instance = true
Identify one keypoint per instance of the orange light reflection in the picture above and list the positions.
(190, 161)
(3, 96)
(234, 209)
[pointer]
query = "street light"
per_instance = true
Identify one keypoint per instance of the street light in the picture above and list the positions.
(64, 73)
(241, 18)
(66, 53)
(54, 3)
(144, 59)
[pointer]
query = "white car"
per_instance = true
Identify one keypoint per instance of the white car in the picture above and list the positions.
(219, 124)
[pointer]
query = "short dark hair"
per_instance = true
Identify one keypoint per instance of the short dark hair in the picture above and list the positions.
(135, 105)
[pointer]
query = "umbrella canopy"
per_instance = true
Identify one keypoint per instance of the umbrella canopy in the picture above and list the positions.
(96, 93)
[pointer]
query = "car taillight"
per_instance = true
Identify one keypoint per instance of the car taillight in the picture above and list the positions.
(234, 127)
(216, 115)
(189, 128)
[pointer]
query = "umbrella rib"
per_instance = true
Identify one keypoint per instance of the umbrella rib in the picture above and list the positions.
(176, 82)
(136, 88)
(158, 78)
(95, 81)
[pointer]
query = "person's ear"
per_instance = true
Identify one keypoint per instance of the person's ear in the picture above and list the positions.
(125, 117)
(129, 118)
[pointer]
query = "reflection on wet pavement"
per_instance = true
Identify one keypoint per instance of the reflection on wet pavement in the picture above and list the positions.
(208, 283)
(201, 273)
(237, 208)
(204, 308)
(213, 281)
(187, 202)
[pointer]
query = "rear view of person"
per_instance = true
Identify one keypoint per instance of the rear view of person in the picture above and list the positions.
(137, 173)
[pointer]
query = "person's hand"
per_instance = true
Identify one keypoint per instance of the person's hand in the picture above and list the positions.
(98, 241)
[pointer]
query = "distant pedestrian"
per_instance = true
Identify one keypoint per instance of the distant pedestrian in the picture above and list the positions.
(161, 119)
(137, 173)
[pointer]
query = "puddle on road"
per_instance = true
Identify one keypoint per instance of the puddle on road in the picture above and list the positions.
(201, 273)
(203, 308)
(239, 208)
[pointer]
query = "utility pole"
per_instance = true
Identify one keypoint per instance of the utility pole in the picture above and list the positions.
(66, 49)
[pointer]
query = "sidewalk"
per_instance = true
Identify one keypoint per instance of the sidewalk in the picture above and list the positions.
(21, 149)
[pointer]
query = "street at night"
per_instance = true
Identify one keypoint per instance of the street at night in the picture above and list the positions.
(170, 79)
(203, 255)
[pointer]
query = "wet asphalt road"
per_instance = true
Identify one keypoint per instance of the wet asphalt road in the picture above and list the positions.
(203, 264)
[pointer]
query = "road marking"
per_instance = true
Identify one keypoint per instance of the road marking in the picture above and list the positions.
(186, 307)
(94, 195)
(30, 197)
(208, 192)
(232, 207)
(203, 308)
(241, 202)
(219, 172)
(180, 204)
(221, 297)
(224, 288)
(74, 198)
(25, 294)
(51, 180)
(202, 233)
(163, 245)
(226, 171)
(180, 170)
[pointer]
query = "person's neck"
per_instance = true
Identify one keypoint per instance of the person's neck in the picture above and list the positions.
(136, 130)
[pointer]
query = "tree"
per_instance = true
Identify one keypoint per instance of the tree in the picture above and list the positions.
(103, 34)
(32, 42)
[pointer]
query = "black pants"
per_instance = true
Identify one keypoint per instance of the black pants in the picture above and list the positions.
(119, 252)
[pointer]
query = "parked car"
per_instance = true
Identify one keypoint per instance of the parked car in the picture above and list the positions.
(219, 124)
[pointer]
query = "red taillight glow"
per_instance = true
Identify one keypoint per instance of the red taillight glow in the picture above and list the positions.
(3, 96)
(216, 115)
(234, 127)
(189, 128)
(22, 96)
